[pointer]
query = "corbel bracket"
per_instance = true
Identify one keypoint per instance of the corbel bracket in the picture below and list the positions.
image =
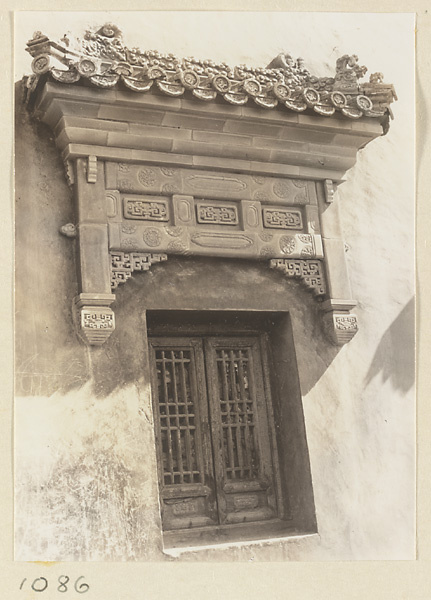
(95, 319)
(339, 324)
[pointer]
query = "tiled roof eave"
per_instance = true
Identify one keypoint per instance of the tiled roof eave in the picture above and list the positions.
(104, 62)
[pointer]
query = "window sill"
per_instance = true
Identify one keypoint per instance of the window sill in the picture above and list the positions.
(232, 536)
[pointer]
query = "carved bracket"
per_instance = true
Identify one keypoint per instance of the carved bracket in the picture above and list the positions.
(95, 319)
(309, 272)
(339, 324)
(123, 264)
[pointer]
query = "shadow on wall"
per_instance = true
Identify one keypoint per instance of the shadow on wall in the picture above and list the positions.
(395, 355)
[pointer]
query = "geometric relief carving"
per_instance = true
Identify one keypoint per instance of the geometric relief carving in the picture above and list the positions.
(340, 327)
(123, 264)
(310, 272)
(217, 215)
(97, 324)
(146, 210)
(282, 218)
(346, 322)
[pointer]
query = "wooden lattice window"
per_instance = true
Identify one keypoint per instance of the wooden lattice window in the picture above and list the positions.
(214, 431)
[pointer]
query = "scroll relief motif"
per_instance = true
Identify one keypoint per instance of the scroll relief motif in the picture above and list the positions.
(217, 215)
(147, 210)
(102, 58)
(282, 218)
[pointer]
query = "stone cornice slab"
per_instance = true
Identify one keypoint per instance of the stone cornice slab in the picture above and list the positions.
(112, 125)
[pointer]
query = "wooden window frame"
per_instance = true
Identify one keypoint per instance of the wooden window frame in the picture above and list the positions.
(290, 518)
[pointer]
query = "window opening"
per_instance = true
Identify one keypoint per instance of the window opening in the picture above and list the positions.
(213, 431)
(230, 435)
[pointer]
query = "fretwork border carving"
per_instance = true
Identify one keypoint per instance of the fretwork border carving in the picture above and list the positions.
(309, 272)
(123, 265)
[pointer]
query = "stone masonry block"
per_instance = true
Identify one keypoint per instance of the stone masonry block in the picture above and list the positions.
(212, 109)
(252, 128)
(106, 125)
(338, 278)
(94, 263)
(201, 148)
(145, 101)
(313, 160)
(323, 173)
(330, 221)
(276, 144)
(297, 134)
(192, 122)
(221, 138)
(228, 164)
(173, 133)
(121, 113)
(333, 124)
(79, 93)
(125, 140)
(271, 116)
(102, 152)
(333, 150)
(274, 169)
(75, 135)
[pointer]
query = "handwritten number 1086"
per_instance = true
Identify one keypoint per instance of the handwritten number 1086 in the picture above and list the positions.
(41, 584)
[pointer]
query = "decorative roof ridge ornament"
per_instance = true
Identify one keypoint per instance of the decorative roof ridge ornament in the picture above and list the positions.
(102, 59)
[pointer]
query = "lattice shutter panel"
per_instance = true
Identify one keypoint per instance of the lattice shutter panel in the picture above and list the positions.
(214, 450)
(240, 430)
(185, 464)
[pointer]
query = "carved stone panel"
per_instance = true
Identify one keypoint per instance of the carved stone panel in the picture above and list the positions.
(151, 179)
(282, 218)
(216, 214)
(146, 208)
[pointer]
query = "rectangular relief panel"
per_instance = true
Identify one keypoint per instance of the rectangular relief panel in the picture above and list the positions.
(218, 213)
(183, 224)
(282, 218)
(158, 180)
(146, 208)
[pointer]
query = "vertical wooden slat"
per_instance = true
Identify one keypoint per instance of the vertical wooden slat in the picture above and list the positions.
(244, 425)
(168, 422)
(238, 420)
(253, 396)
(229, 419)
(247, 432)
(177, 419)
(190, 461)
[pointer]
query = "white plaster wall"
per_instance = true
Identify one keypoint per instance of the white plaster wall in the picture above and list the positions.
(360, 416)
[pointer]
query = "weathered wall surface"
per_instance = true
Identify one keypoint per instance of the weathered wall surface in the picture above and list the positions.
(86, 482)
